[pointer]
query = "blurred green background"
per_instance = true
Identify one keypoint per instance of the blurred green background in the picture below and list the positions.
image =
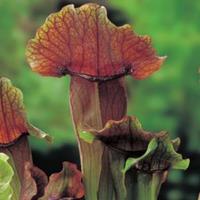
(168, 100)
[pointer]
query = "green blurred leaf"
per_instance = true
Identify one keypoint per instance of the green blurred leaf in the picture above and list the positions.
(6, 174)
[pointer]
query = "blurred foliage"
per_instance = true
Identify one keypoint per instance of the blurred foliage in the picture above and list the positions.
(168, 100)
(46, 99)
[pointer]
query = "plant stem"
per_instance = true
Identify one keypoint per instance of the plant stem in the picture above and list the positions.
(92, 105)
(149, 185)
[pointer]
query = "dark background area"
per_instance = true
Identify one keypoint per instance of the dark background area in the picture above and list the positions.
(168, 100)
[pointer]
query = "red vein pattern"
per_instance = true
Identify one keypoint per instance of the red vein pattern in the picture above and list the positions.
(84, 42)
(12, 115)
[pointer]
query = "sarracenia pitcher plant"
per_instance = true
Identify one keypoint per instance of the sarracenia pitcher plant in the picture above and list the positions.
(19, 178)
(119, 160)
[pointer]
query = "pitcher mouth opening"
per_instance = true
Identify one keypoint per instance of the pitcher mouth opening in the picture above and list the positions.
(3, 145)
(126, 71)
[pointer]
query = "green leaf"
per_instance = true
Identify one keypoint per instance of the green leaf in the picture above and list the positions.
(160, 155)
(7, 193)
(6, 174)
(182, 164)
(15, 183)
(87, 136)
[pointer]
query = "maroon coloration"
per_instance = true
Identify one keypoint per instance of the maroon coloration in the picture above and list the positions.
(34, 182)
(83, 42)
